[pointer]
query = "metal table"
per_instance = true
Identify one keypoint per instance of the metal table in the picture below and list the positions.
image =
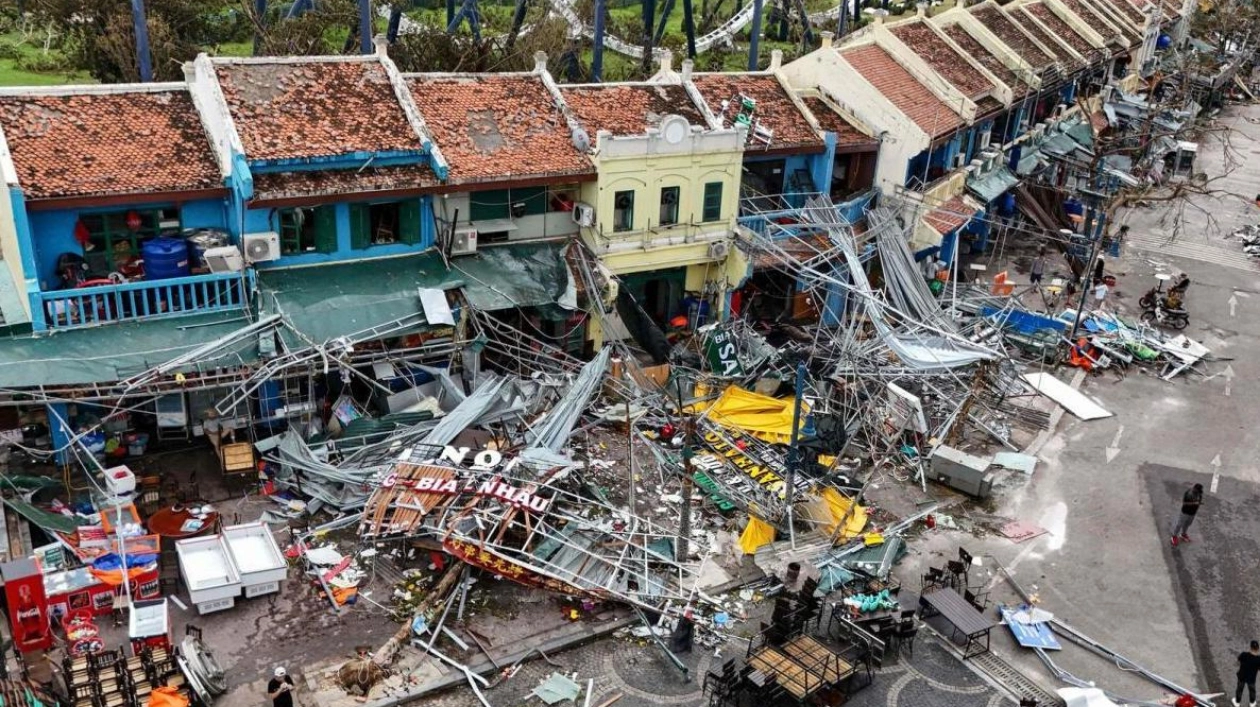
(963, 617)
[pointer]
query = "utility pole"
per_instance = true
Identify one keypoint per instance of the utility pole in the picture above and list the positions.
(794, 452)
(597, 51)
(754, 36)
(684, 519)
(1093, 231)
(365, 27)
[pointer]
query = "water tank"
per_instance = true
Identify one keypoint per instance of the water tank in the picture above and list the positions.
(165, 258)
(200, 240)
(1163, 42)
(1007, 203)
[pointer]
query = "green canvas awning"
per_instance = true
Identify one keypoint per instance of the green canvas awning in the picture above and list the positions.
(992, 184)
(504, 277)
(325, 302)
(113, 352)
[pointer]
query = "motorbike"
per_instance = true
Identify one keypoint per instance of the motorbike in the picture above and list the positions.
(1148, 300)
(1162, 315)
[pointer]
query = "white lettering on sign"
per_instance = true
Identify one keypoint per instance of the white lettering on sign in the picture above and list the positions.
(503, 491)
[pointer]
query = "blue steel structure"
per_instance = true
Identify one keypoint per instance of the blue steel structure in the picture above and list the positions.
(142, 40)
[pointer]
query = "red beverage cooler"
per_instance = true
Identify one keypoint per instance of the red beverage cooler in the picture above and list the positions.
(28, 605)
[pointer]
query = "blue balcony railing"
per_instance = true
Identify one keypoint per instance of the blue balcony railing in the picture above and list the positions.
(150, 299)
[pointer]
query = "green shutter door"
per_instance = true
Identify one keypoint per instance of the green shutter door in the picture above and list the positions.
(409, 221)
(326, 229)
(360, 227)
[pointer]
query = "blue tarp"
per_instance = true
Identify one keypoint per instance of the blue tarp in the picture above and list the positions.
(1030, 635)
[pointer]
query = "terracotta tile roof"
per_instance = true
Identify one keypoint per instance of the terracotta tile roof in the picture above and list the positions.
(802, 247)
(903, 90)
(1013, 36)
(497, 127)
(775, 108)
(301, 109)
(943, 59)
(1059, 28)
(847, 134)
(271, 186)
(108, 144)
(950, 215)
(1131, 9)
(629, 109)
(1095, 17)
(1172, 9)
(987, 105)
(1058, 48)
(987, 59)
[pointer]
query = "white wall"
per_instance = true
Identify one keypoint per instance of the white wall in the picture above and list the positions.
(556, 224)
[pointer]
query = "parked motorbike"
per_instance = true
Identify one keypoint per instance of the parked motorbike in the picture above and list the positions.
(1162, 315)
(1147, 300)
(1250, 237)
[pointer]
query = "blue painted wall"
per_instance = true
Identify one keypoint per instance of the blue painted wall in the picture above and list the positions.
(52, 232)
(823, 165)
(257, 220)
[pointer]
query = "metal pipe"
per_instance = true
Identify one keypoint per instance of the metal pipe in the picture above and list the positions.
(794, 452)
(754, 35)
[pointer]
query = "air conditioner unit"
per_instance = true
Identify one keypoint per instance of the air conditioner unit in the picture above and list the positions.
(224, 259)
(719, 249)
(261, 247)
(584, 215)
(464, 241)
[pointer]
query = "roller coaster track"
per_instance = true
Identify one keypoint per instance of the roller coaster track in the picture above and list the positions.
(723, 34)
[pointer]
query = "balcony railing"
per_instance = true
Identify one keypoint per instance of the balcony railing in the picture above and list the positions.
(150, 299)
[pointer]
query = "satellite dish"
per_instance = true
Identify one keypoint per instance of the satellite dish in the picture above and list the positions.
(581, 141)
(674, 129)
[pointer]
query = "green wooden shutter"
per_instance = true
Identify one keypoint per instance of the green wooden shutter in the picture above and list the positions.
(325, 229)
(409, 221)
(360, 227)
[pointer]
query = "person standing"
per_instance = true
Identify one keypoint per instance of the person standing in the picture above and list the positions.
(1038, 268)
(1190, 503)
(1099, 269)
(280, 689)
(1248, 666)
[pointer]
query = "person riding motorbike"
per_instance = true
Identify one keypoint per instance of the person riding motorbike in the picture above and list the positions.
(1177, 293)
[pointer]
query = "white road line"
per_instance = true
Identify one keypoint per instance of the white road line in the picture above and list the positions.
(1227, 253)
(1216, 479)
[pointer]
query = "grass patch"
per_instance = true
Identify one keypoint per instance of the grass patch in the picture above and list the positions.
(14, 51)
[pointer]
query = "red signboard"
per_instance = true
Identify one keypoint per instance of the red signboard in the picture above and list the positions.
(28, 607)
(480, 557)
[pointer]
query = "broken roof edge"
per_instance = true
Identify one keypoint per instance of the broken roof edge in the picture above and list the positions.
(1028, 36)
(402, 93)
(837, 107)
(212, 110)
(902, 122)
(971, 63)
(991, 42)
(91, 89)
(1086, 30)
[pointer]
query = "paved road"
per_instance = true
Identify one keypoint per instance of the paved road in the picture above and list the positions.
(931, 676)
(1105, 567)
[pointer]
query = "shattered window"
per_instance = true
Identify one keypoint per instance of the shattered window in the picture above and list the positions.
(669, 206)
(623, 211)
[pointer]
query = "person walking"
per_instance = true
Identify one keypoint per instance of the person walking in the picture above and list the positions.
(1248, 666)
(1038, 268)
(280, 689)
(1190, 503)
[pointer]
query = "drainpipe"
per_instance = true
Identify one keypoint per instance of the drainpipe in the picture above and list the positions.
(141, 25)
(754, 38)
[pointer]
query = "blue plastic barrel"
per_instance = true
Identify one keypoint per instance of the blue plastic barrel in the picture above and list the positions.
(165, 258)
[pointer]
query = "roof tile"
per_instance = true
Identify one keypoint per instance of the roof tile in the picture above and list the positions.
(1013, 36)
(301, 109)
(1058, 48)
(1094, 17)
(1131, 9)
(901, 88)
(497, 127)
(949, 215)
(943, 59)
(1059, 28)
(630, 108)
(270, 186)
(108, 144)
(775, 108)
(987, 59)
(847, 134)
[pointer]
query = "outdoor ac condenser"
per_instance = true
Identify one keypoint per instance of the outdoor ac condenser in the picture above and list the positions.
(261, 247)
(464, 241)
(584, 214)
(961, 471)
(224, 259)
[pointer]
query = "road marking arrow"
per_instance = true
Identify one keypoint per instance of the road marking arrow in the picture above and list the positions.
(1229, 378)
(1233, 305)
(1216, 475)
(1114, 449)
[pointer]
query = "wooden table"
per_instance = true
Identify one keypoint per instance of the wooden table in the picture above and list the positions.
(789, 675)
(963, 617)
(169, 522)
(816, 658)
